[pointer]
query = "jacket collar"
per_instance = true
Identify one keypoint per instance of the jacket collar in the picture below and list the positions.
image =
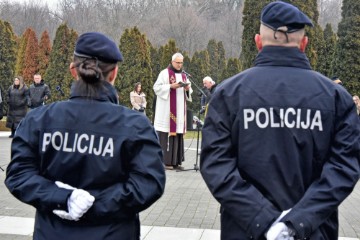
(282, 56)
(107, 93)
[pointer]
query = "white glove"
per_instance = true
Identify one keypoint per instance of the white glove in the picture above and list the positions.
(278, 231)
(281, 216)
(64, 185)
(78, 203)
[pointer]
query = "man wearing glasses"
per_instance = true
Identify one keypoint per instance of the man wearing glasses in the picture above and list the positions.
(172, 89)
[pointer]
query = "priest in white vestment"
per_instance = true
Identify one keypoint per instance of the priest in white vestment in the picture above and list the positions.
(173, 90)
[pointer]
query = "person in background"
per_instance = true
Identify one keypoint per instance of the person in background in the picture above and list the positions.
(210, 87)
(88, 165)
(172, 89)
(39, 92)
(281, 142)
(17, 99)
(138, 98)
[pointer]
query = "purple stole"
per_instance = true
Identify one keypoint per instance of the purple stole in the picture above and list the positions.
(172, 79)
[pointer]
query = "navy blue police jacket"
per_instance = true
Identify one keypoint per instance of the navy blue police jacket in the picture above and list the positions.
(280, 136)
(92, 144)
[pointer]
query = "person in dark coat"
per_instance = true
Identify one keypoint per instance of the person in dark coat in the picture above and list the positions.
(209, 88)
(88, 165)
(17, 98)
(281, 142)
(39, 92)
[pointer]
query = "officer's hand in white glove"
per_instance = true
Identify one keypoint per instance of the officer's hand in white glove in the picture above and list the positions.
(279, 231)
(78, 203)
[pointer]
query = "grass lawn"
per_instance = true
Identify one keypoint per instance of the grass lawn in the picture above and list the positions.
(192, 134)
(188, 135)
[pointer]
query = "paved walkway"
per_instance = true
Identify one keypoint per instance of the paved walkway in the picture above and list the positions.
(186, 211)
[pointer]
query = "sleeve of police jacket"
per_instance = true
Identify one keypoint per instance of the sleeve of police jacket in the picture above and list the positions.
(23, 178)
(339, 175)
(144, 185)
(218, 165)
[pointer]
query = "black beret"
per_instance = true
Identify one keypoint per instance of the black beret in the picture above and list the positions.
(279, 14)
(97, 45)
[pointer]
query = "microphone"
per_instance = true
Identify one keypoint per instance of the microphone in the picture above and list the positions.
(58, 88)
(187, 74)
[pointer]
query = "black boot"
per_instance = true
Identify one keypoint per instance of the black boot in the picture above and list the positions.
(12, 133)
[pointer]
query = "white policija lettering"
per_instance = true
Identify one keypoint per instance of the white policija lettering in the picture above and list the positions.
(82, 143)
(283, 118)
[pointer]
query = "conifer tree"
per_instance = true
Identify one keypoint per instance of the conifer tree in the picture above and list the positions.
(155, 61)
(7, 57)
(346, 65)
(251, 23)
(187, 62)
(199, 69)
(233, 68)
(221, 63)
(327, 54)
(44, 52)
(20, 58)
(57, 75)
(31, 57)
(212, 48)
(315, 34)
(217, 59)
(166, 53)
(135, 68)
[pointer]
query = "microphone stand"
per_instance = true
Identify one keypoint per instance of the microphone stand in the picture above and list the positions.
(198, 125)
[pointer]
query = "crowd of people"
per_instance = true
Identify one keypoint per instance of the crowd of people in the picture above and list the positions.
(92, 165)
(20, 99)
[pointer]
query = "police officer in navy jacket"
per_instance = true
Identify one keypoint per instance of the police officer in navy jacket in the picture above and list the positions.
(88, 165)
(280, 146)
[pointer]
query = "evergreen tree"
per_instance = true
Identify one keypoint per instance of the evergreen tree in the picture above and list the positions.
(212, 48)
(155, 61)
(346, 65)
(315, 34)
(327, 54)
(7, 57)
(187, 62)
(233, 68)
(251, 23)
(57, 75)
(217, 59)
(20, 58)
(166, 53)
(199, 69)
(44, 52)
(135, 68)
(30, 58)
(221, 63)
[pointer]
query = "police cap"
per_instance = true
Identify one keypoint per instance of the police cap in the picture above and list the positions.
(280, 15)
(97, 45)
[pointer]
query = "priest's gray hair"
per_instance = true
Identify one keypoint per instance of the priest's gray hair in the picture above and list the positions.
(177, 55)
